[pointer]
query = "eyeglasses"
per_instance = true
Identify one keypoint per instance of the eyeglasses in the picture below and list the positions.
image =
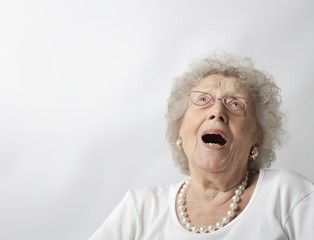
(230, 102)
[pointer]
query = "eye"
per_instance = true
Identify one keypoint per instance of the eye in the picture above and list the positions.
(234, 103)
(202, 99)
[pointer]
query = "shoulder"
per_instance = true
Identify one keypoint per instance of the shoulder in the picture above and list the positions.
(161, 194)
(287, 184)
(292, 196)
(138, 209)
(149, 203)
(287, 178)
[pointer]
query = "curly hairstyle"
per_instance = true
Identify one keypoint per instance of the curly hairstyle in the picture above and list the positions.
(265, 96)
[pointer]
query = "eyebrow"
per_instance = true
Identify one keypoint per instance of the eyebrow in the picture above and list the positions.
(240, 95)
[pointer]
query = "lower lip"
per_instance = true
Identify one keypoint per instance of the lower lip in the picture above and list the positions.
(214, 147)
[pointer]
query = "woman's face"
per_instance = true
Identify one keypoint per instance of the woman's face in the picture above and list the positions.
(215, 138)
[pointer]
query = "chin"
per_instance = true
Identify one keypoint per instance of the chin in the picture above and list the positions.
(213, 165)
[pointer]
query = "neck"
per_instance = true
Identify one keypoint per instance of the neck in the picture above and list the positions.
(191, 213)
(211, 186)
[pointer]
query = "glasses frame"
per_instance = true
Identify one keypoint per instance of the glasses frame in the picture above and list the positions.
(223, 100)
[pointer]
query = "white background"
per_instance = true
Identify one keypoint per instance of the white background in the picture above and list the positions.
(83, 93)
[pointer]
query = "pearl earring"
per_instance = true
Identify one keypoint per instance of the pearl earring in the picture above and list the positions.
(179, 143)
(254, 153)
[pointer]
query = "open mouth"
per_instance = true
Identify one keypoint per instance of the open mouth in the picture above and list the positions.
(214, 139)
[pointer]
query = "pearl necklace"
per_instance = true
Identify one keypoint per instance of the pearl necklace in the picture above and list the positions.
(182, 211)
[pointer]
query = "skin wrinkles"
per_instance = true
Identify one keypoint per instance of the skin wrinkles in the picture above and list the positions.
(205, 212)
(215, 173)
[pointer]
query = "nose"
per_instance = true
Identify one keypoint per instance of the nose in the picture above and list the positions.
(218, 111)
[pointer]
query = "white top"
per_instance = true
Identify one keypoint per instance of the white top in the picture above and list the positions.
(281, 207)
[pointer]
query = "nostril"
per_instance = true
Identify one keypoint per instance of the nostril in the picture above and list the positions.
(222, 119)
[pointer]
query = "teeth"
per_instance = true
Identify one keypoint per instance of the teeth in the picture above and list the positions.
(213, 144)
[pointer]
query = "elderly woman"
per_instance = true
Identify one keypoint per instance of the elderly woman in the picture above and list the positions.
(224, 122)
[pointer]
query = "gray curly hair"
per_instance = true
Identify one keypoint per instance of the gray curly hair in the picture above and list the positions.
(266, 103)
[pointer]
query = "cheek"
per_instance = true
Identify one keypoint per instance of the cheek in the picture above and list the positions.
(185, 130)
(190, 125)
(248, 131)
(189, 133)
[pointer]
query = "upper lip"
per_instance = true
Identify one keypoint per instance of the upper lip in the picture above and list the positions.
(215, 136)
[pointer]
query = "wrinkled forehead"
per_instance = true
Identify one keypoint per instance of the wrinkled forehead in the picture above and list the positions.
(222, 85)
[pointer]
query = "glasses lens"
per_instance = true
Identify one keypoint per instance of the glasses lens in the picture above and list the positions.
(234, 103)
(200, 98)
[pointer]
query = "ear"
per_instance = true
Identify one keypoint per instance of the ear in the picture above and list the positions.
(179, 128)
(259, 136)
(180, 132)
